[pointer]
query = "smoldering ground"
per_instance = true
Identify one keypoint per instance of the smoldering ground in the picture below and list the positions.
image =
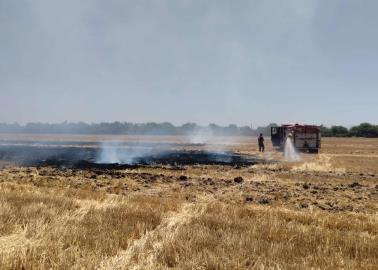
(202, 146)
(116, 154)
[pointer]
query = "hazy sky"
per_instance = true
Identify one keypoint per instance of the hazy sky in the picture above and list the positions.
(244, 62)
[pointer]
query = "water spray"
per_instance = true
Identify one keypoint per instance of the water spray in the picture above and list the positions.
(290, 153)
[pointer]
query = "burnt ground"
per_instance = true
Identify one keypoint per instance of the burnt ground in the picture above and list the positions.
(87, 157)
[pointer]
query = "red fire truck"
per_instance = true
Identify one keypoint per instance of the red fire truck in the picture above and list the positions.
(305, 138)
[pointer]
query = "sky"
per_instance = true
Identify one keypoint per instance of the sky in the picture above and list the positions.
(244, 62)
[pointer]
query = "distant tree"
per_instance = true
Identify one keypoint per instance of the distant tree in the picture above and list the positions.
(365, 130)
(339, 131)
(325, 131)
(187, 128)
(215, 129)
(247, 131)
(266, 131)
(232, 130)
(166, 128)
(10, 128)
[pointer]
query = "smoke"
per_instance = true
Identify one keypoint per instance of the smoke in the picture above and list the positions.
(202, 136)
(290, 153)
(112, 152)
(204, 139)
(214, 142)
(209, 138)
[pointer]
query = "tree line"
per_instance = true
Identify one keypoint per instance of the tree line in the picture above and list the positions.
(127, 128)
(366, 130)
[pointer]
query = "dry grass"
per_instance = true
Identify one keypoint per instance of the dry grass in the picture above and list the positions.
(321, 164)
(43, 231)
(234, 237)
(320, 213)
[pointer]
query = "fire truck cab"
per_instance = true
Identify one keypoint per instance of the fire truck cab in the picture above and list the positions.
(305, 138)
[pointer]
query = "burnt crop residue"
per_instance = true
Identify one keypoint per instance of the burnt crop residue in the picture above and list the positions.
(86, 157)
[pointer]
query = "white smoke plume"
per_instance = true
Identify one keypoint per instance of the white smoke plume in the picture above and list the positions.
(208, 137)
(204, 139)
(202, 136)
(212, 142)
(112, 152)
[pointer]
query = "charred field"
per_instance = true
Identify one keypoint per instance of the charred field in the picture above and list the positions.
(64, 204)
(75, 156)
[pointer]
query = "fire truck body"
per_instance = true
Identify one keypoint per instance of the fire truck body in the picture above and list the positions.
(305, 137)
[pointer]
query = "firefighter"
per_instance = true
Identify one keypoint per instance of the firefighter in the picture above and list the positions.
(261, 143)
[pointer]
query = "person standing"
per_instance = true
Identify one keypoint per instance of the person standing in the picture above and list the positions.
(261, 143)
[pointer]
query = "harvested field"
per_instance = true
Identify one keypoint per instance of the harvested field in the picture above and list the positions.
(190, 212)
